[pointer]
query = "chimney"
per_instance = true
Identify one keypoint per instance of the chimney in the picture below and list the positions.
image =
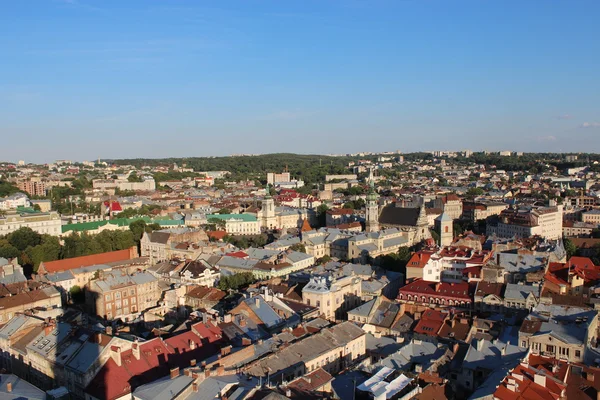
(288, 393)
(540, 379)
(174, 372)
(195, 387)
(243, 322)
(207, 373)
(192, 345)
(203, 364)
(257, 301)
(193, 362)
(246, 341)
(480, 345)
(227, 318)
(9, 387)
(109, 330)
(135, 350)
(226, 350)
(115, 353)
(221, 370)
(98, 337)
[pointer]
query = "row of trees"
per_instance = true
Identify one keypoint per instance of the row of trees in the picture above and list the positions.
(236, 282)
(31, 248)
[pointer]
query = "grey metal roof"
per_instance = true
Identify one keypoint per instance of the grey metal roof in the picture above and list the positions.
(263, 311)
(86, 357)
(163, 389)
(21, 389)
(489, 355)
(13, 325)
(395, 241)
(59, 276)
(363, 310)
(521, 262)
(520, 292)
(43, 344)
(414, 352)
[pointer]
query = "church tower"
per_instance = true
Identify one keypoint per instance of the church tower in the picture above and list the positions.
(268, 211)
(443, 225)
(372, 210)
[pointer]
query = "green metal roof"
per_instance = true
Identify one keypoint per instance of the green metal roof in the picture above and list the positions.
(224, 217)
(90, 226)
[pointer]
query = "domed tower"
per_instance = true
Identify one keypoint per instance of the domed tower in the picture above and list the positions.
(372, 210)
(443, 224)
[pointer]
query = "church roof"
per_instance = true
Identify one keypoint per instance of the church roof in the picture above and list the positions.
(444, 218)
(392, 215)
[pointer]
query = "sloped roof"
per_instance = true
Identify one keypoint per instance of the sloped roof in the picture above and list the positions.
(392, 215)
(86, 261)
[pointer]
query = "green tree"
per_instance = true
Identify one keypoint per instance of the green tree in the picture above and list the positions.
(322, 214)
(236, 281)
(77, 295)
(570, 248)
(474, 192)
(133, 177)
(298, 247)
(323, 260)
(7, 250)
(24, 237)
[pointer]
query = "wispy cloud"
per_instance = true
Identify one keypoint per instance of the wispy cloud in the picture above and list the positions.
(565, 116)
(287, 115)
(549, 138)
(590, 125)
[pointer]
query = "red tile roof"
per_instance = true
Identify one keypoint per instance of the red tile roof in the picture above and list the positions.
(113, 205)
(157, 357)
(86, 261)
(419, 259)
(238, 254)
(452, 291)
(526, 388)
(219, 235)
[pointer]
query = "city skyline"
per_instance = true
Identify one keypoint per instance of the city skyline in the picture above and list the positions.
(145, 79)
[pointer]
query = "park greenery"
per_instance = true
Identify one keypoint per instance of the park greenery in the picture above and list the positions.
(31, 248)
(236, 281)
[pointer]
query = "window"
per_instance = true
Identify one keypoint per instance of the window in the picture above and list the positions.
(117, 295)
(550, 348)
(108, 297)
(577, 353)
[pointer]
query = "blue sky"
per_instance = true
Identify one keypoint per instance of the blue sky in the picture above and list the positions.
(81, 79)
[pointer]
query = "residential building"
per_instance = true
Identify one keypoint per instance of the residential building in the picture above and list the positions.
(45, 298)
(135, 364)
(481, 210)
(591, 217)
(332, 349)
(333, 297)
(14, 201)
(450, 204)
(542, 221)
(198, 297)
(165, 244)
(238, 224)
(562, 337)
(48, 223)
(116, 295)
(439, 294)
(34, 186)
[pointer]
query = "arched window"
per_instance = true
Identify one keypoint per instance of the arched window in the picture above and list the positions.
(446, 229)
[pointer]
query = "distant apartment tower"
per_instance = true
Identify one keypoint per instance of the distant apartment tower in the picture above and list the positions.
(33, 186)
(272, 178)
